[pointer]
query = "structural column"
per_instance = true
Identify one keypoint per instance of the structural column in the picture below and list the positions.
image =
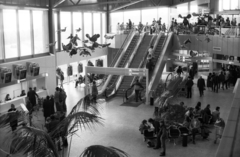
(51, 27)
(108, 18)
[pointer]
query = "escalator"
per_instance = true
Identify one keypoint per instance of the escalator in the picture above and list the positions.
(159, 53)
(112, 83)
(141, 53)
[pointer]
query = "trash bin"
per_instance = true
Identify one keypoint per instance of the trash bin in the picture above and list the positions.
(151, 101)
(184, 140)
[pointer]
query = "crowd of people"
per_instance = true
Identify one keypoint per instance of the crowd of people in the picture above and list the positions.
(154, 27)
(224, 79)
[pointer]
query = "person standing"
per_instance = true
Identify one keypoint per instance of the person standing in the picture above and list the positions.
(163, 136)
(13, 117)
(137, 87)
(216, 114)
(94, 92)
(32, 96)
(56, 99)
(150, 51)
(201, 85)
(47, 108)
(189, 85)
(149, 66)
(209, 81)
(130, 24)
(179, 70)
(215, 82)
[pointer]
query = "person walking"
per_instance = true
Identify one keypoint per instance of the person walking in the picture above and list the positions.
(94, 92)
(13, 117)
(137, 87)
(62, 99)
(189, 85)
(201, 85)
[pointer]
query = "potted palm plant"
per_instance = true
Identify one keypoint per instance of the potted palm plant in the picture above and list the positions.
(34, 142)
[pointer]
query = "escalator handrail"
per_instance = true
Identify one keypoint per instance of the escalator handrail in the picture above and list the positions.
(143, 61)
(117, 55)
(125, 62)
(165, 40)
(120, 50)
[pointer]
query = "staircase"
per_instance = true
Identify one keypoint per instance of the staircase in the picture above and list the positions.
(141, 52)
(123, 62)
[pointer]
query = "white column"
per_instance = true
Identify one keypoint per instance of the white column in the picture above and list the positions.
(147, 95)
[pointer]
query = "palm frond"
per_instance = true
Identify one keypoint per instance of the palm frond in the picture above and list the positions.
(85, 104)
(32, 141)
(80, 120)
(102, 151)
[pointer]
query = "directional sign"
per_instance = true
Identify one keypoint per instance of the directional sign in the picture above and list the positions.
(137, 72)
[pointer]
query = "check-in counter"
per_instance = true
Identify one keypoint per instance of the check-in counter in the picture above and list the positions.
(5, 106)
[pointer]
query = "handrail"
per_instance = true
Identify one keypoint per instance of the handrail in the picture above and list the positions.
(142, 63)
(161, 52)
(122, 52)
(127, 63)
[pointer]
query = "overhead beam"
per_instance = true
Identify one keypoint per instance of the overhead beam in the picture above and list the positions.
(99, 3)
(58, 3)
(126, 5)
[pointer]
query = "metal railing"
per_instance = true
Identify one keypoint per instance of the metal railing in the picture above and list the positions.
(225, 31)
(141, 65)
(126, 63)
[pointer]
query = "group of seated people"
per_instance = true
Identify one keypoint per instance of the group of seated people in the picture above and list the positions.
(196, 122)
(90, 79)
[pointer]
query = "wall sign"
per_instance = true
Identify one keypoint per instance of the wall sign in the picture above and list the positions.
(217, 49)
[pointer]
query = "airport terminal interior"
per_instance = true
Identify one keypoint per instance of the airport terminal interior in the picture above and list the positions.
(119, 78)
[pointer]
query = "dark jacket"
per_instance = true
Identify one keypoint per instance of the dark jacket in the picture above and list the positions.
(137, 86)
(189, 83)
(209, 81)
(201, 83)
(47, 108)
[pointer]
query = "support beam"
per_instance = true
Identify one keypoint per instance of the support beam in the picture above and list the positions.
(126, 5)
(100, 3)
(58, 3)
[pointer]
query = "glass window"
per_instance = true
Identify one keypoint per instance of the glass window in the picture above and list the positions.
(104, 28)
(56, 28)
(10, 33)
(96, 23)
(88, 24)
(234, 4)
(40, 30)
(77, 23)
(115, 19)
(25, 32)
(148, 15)
(65, 19)
(220, 5)
(164, 14)
(226, 4)
(182, 8)
(134, 16)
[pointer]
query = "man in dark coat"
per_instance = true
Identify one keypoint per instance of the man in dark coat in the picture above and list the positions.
(189, 85)
(215, 81)
(149, 66)
(201, 85)
(32, 96)
(47, 107)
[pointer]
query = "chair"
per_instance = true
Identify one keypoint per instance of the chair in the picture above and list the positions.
(184, 130)
(173, 133)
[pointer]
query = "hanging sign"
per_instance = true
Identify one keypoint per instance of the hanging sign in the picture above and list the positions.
(217, 49)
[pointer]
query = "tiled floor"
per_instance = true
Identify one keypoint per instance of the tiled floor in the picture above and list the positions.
(121, 126)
